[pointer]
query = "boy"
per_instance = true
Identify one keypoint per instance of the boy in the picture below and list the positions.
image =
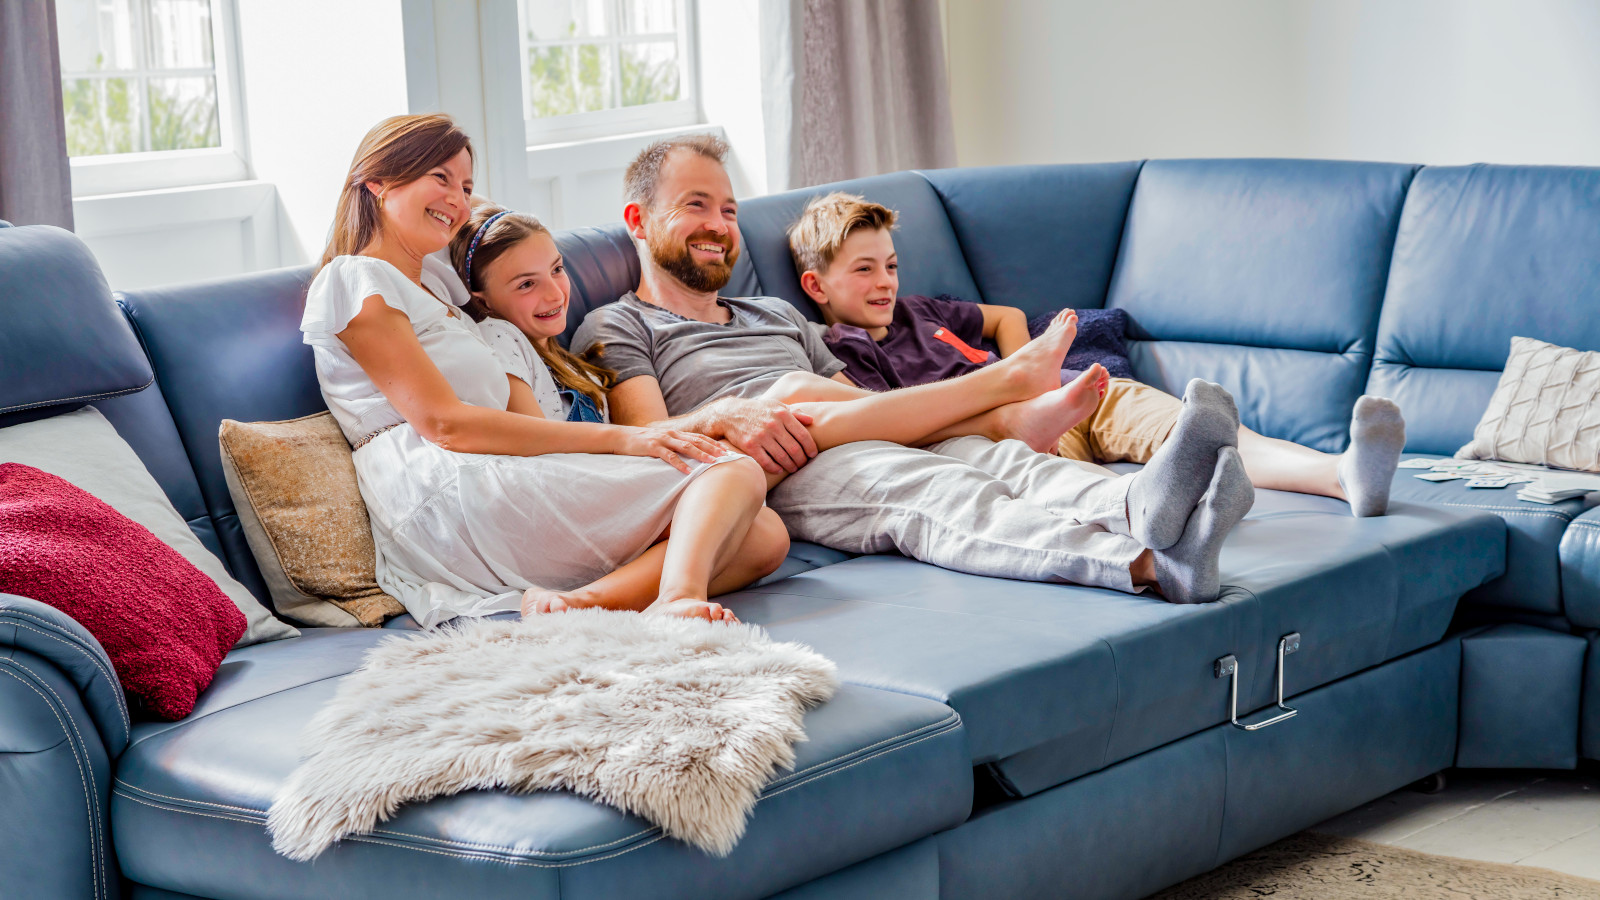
(844, 251)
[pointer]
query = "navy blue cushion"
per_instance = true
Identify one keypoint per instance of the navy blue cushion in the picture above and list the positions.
(931, 262)
(1264, 276)
(879, 770)
(1099, 340)
(227, 349)
(1484, 253)
(64, 343)
(1039, 237)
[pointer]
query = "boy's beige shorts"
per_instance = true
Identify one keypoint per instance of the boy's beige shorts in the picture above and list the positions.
(1130, 424)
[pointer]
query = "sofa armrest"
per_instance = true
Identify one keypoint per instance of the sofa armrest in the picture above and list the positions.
(46, 632)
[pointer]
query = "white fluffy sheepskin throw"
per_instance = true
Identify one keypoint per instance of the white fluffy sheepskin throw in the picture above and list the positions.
(678, 721)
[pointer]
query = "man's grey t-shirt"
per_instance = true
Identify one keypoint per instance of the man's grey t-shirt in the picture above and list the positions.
(697, 362)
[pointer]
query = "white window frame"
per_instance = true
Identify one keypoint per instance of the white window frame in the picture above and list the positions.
(628, 119)
(119, 173)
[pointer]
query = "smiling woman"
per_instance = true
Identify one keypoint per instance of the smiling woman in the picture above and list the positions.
(478, 501)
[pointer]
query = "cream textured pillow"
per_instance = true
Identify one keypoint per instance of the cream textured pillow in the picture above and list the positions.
(1545, 411)
(84, 448)
(294, 486)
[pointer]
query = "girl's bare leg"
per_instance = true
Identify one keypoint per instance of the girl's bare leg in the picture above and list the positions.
(637, 585)
(1284, 466)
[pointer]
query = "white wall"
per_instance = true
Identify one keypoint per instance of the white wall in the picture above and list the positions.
(1430, 81)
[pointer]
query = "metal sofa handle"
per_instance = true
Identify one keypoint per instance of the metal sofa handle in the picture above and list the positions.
(1228, 667)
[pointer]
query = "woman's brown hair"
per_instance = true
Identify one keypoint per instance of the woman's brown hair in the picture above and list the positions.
(397, 151)
(570, 370)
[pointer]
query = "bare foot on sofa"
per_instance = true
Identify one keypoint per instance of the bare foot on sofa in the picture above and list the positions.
(1042, 421)
(536, 601)
(1037, 366)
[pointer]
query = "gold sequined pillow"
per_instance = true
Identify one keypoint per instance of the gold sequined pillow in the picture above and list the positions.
(294, 487)
(1546, 409)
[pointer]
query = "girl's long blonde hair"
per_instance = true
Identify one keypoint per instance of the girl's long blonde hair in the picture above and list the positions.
(570, 370)
(397, 151)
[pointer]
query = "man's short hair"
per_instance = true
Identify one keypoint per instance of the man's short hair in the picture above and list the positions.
(815, 238)
(644, 173)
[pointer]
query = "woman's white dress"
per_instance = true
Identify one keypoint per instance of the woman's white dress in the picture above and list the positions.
(461, 533)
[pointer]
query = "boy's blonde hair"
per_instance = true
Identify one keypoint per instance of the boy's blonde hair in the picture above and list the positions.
(815, 238)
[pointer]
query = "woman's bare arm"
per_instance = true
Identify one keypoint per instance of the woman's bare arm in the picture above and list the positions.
(382, 342)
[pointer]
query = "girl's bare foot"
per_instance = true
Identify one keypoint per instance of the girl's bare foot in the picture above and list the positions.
(1037, 366)
(690, 608)
(536, 601)
(1042, 421)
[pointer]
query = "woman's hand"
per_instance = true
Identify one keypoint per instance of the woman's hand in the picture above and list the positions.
(669, 445)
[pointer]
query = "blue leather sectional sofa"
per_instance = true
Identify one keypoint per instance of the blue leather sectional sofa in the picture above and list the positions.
(993, 738)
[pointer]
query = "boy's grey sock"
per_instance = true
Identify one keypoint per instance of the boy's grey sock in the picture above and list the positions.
(1187, 572)
(1165, 492)
(1366, 470)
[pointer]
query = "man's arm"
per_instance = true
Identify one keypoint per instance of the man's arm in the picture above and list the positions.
(1007, 326)
(765, 430)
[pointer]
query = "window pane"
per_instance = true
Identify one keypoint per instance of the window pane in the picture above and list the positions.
(568, 79)
(649, 17)
(96, 35)
(555, 20)
(102, 115)
(649, 72)
(183, 113)
(180, 34)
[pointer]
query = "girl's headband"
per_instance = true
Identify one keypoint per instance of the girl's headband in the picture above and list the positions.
(473, 247)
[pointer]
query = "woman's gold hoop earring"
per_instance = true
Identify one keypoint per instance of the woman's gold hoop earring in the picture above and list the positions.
(380, 199)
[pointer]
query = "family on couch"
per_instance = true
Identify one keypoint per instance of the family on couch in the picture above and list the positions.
(502, 471)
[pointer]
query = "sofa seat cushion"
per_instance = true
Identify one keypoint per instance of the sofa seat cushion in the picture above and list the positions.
(1580, 569)
(1054, 681)
(1532, 580)
(879, 770)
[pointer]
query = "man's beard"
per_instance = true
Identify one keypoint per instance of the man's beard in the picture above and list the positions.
(675, 258)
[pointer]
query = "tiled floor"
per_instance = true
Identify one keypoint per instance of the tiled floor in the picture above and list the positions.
(1548, 819)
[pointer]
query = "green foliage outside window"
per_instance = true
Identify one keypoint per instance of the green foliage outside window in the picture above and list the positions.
(576, 78)
(103, 114)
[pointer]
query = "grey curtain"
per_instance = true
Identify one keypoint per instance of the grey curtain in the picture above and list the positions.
(35, 178)
(852, 88)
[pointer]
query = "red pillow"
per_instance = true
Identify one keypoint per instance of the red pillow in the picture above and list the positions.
(165, 625)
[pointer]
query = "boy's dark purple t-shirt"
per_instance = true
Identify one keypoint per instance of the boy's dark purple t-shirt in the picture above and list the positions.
(929, 340)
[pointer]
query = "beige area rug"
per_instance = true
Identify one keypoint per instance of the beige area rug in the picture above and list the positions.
(679, 721)
(1323, 867)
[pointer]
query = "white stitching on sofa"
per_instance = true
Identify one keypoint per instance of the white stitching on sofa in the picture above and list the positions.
(94, 843)
(396, 844)
(1501, 510)
(858, 762)
(243, 809)
(127, 730)
(954, 719)
(85, 397)
(99, 818)
(870, 747)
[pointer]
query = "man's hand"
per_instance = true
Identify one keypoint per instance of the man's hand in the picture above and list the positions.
(767, 431)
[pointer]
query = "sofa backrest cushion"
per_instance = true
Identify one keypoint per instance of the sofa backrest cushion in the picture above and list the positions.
(1484, 254)
(1039, 237)
(227, 349)
(931, 261)
(1264, 276)
(63, 342)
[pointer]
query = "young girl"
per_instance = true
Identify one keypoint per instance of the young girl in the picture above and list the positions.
(473, 492)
